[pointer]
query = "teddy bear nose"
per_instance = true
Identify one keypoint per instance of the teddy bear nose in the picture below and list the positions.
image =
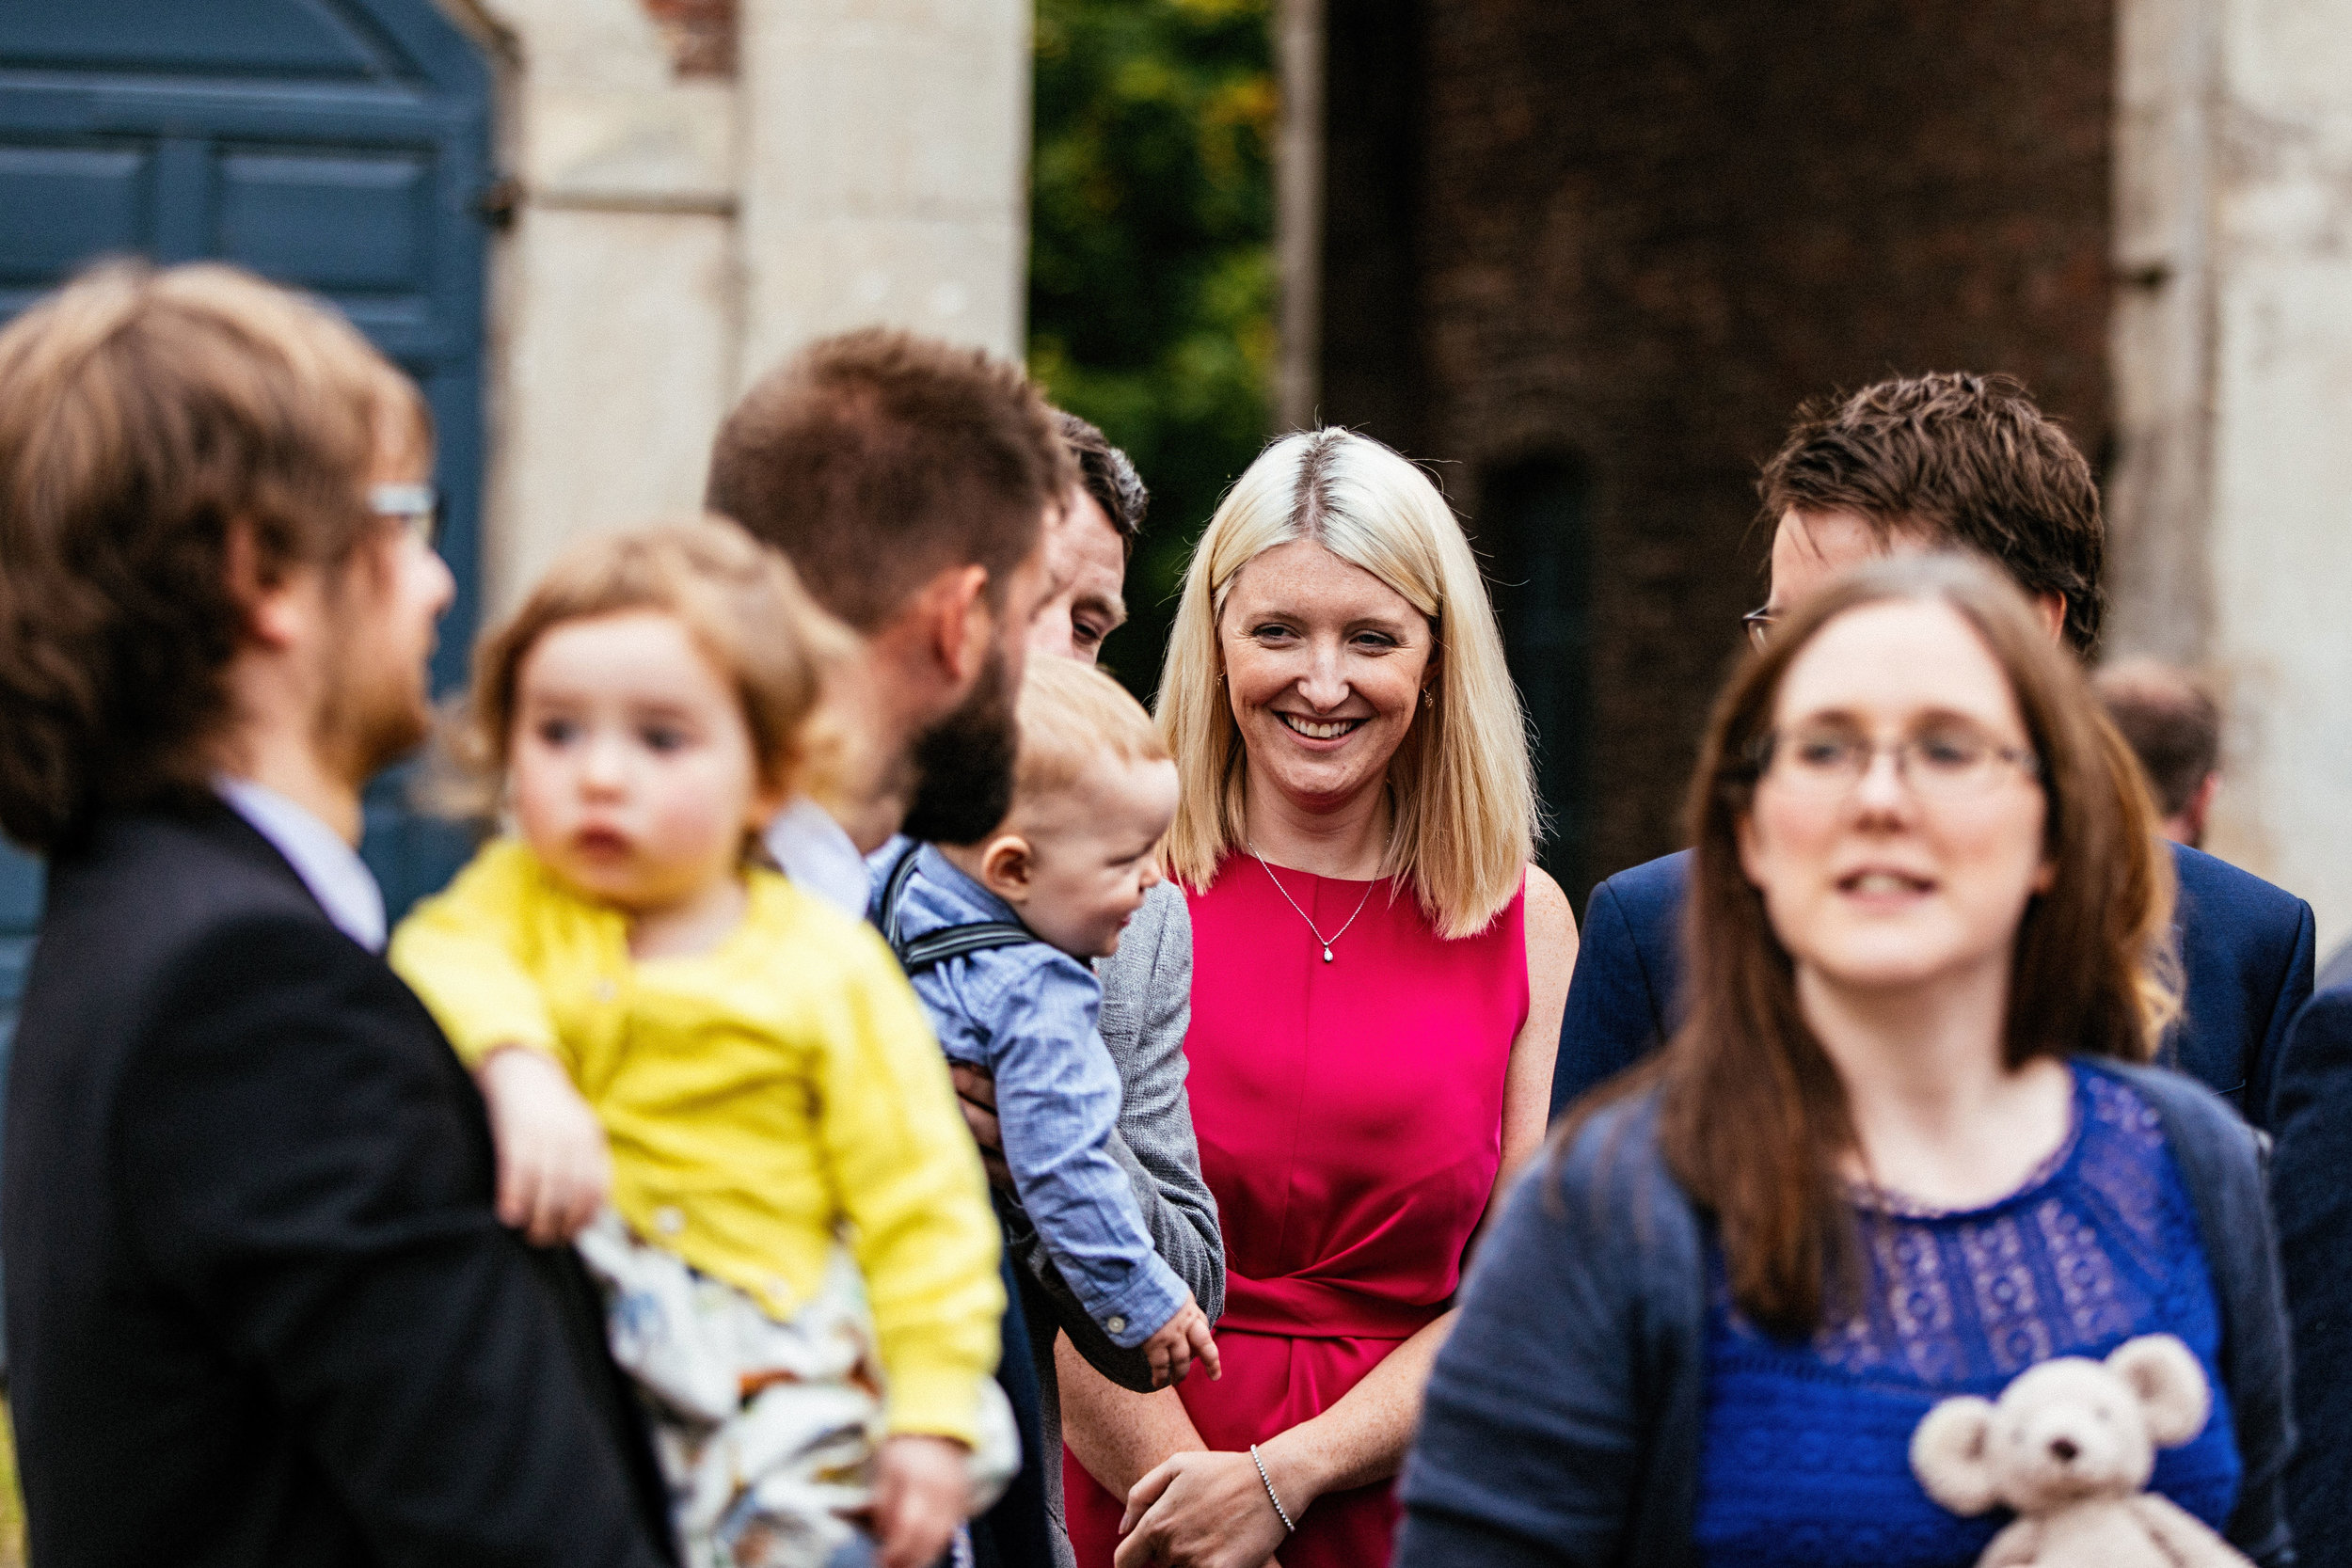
(2064, 1450)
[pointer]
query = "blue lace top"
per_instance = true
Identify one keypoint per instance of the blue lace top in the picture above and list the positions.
(1806, 1457)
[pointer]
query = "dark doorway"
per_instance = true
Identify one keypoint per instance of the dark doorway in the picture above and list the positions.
(1534, 534)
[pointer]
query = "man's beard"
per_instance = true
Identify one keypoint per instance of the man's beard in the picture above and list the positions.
(370, 726)
(377, 711)
(963, 764)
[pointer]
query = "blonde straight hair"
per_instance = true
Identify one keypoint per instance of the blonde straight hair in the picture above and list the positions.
(1464, 816)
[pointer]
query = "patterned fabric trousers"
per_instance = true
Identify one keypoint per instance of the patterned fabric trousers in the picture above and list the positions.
(766, 1431)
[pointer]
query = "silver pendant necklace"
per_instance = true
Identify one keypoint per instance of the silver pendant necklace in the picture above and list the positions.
(1302, 913)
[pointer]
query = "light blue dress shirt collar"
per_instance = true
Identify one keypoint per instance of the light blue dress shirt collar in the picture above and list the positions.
(331, 870)
(817, 853)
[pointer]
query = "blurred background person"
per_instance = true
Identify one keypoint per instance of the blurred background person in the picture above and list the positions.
(1377, 973)
(2174, 725)
(1903, 1145)
(1087, 547)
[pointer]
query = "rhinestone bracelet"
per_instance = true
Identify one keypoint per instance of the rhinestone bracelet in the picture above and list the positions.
(1280, 1512)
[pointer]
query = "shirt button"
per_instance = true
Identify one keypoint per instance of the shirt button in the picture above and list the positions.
(1116, 1325)
(779, 1287)
(607, 991)
(668, 1220)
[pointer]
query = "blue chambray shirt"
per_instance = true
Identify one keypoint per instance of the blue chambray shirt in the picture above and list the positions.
(1027, 1015)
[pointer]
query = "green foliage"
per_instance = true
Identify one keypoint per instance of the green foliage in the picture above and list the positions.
(1152, 281)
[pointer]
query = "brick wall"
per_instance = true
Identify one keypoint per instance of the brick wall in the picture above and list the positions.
(1640, 233)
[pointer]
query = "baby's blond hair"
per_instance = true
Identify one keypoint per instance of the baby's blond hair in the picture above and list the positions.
(1070, 714)
(740, 601)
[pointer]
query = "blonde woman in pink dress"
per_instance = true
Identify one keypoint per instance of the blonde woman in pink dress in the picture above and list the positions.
(1378, 973)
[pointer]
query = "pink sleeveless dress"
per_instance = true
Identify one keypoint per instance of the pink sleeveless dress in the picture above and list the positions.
(1350, 1118)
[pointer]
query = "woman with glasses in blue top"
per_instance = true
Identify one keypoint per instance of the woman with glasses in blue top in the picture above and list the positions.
(1903, 1148)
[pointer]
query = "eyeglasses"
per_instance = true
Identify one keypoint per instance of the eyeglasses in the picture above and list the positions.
(1759, 625)
(1949, 762)
(415, 507)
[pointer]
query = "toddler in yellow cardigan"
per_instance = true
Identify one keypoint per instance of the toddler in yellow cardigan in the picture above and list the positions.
(744, 1071)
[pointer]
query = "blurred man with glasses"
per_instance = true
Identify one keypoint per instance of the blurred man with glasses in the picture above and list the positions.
(260, 1307)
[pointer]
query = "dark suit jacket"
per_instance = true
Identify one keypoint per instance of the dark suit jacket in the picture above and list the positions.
(2246, 956)
(2312, 1198)
(260, 1311)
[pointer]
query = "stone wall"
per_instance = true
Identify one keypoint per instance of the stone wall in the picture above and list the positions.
(1641, 235)
(700, 187)
(2233, 339)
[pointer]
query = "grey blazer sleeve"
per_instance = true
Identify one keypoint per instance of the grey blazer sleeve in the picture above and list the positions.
(1147, 1006)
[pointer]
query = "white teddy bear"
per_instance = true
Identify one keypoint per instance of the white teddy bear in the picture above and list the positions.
(2069, 1447)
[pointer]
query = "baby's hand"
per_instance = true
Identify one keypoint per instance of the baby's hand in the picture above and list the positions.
(1179, 1339)
(922, 1492)
(554, 1169)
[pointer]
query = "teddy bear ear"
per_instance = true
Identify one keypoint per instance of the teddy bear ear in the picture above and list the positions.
(1951, 1454)
(2170, 1385)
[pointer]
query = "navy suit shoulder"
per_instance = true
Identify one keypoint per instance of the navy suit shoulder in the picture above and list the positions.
(2312, 1111)
(256, 1284)
(1628, 966)
(2247, 948)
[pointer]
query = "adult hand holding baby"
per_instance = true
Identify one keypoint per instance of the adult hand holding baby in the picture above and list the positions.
(922, 1492)
(554, 1168)
(975, 1096)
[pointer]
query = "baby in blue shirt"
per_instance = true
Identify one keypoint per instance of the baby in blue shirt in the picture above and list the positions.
(998, 938)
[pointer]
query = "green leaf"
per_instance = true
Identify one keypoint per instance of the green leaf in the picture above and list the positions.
(1152, 275)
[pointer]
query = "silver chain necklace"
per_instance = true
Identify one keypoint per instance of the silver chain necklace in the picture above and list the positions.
(1302, 913)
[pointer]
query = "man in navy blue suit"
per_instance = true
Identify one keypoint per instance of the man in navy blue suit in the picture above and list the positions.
(1942, 462)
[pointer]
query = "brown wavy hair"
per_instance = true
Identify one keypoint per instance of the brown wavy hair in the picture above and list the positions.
(878, 458)
(1970, 460)
(144, 415)
(1753, 1117)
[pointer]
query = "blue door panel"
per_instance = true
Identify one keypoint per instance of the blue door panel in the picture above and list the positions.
(307, 38)
(338, 146)
(64, 203)
(355, 223)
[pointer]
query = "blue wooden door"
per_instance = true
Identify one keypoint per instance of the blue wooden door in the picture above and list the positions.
(339, 145)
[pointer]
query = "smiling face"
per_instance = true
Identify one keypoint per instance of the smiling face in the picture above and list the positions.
(634, 777)
(1897, 879)
(1324, 665)
(1075, 862)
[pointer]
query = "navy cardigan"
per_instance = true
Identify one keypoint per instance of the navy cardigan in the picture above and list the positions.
(2246, 966)
(1563, 1416)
